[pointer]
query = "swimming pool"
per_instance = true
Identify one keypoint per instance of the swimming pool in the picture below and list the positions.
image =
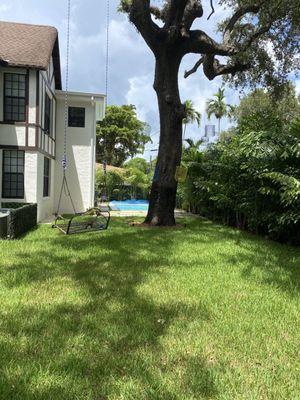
(129, 205)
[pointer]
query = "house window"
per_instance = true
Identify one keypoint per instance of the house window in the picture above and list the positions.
(77, 117)
(13, 174)
(14, 97)
(46, 189)
(47, 115)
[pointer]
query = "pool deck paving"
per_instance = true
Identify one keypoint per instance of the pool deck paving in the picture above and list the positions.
(178, 213)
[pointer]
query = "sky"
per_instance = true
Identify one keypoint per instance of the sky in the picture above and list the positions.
(131, 63)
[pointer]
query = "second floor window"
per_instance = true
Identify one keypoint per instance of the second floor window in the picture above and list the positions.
(77, 117)
(47, 117)
(14, 97)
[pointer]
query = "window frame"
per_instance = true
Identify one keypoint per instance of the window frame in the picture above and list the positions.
(17, 174)
(47, 177)
(47, 114)
(75, 124)
(12, 98)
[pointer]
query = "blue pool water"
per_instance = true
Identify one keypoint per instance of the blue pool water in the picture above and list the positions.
(129, 205)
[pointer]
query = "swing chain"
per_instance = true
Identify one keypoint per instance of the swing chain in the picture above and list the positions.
(104, 192)
(107, 51)
(64, 160)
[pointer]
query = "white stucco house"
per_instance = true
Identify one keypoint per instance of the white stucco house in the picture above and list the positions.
(32, 115)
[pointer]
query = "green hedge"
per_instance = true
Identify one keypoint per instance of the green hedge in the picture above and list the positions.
(21, 220)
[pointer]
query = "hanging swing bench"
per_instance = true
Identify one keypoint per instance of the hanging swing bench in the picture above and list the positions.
(93, 220)
(97, 218)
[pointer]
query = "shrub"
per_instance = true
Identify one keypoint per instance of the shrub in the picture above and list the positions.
(251, 182)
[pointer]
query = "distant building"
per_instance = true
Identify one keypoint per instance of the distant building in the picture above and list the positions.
(210, 131)
(209, 134)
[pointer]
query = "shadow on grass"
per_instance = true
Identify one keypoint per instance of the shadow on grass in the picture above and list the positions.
(106, 340)
(278, 264)
(98, 335)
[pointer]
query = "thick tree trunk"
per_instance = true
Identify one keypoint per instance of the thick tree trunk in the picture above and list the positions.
(171, 111)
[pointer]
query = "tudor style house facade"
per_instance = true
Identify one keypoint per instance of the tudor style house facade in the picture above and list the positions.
(32, 119)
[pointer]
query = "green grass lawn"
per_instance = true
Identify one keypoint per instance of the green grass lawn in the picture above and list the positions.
(205, 312)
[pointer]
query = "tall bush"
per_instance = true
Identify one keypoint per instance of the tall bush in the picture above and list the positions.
(251, 178)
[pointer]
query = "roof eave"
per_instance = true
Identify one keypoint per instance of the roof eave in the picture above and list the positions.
(7, 63)
(56, 65)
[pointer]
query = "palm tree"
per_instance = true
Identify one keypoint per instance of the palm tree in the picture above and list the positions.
(192, 115)
(217, 107)
(194, 144)
(192, 153)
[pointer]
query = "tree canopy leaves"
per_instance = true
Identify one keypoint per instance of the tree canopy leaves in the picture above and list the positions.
(120, 135)
(261, 109)
(260, 39)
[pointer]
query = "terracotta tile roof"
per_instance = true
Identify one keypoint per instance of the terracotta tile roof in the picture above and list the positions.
(30, 46)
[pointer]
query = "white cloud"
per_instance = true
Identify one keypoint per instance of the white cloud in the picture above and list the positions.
(124, 38)
(142, 95)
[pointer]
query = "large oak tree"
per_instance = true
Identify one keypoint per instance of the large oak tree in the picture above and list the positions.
(259, 44)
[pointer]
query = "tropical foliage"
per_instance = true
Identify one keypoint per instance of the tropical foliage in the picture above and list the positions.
(218, 107)
(131, 181)
(137, 176)
(111, 184)
(251, 179)
(191, 159)
(139, 183)
(192, 115)
(138, 163)
(263, 109)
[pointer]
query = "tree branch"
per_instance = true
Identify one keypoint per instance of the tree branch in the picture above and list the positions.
(212, 9)
(194, 69)
(200, 43)
(259, 32)
(140, 15)
(241, 12)
(174, 12)
(192, 11)
(213, 68)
